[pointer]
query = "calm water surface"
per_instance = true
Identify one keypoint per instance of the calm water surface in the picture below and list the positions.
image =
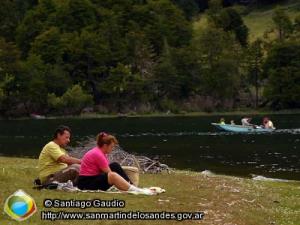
(181, 142)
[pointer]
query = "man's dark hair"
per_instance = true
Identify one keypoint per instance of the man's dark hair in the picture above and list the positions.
(60, 130)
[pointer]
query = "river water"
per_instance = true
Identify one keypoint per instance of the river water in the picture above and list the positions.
(181, 142)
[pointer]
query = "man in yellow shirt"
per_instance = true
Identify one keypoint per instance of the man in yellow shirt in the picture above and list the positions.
(54, 162)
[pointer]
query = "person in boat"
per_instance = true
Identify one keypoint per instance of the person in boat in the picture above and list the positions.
(222, 121)
(267, 123)
(96, 173)
(54, 163)
(246, 121)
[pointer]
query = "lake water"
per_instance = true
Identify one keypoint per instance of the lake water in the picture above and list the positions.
(181, 142)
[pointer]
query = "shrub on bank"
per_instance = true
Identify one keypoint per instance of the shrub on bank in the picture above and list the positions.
(71, 102)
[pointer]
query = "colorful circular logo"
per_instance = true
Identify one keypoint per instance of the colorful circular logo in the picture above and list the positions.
(20, 205)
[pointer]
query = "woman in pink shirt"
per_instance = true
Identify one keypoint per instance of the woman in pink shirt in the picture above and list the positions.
(97, 174)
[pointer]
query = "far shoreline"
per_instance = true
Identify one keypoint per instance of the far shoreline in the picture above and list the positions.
(159, 114)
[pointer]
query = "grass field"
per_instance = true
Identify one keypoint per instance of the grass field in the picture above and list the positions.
(223, 199)
(259, 19)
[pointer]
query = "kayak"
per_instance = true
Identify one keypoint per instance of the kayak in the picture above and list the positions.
(242, 129)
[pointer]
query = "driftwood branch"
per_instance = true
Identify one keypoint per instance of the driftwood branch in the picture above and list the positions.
(143, 163)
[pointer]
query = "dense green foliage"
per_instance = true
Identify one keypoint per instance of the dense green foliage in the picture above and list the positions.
(282, 68)
(60, 57)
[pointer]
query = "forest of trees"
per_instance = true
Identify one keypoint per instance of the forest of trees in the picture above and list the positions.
(119, 56)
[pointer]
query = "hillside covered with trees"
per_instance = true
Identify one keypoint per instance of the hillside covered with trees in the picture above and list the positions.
(108, 56)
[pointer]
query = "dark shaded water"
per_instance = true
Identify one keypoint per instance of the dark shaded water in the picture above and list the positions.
(180, 142)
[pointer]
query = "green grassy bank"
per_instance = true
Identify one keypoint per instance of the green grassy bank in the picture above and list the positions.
(223, 199)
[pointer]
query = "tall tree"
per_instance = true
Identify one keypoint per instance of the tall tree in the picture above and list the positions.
(165, 72)
(10, 70)
(9, 58)
(74, 15)
(33, 83)
(86, 59)
(220, 58)
(189, 7)
(296, 28)
(48, 45)
(229, 20)
(123, 87)
(282, 71)
(255, 61)
(232, 21)
(297, 23)
(11, 14)
(189, 71)
(141, 53)
(283, 24)
(162, 20)
(33, 24)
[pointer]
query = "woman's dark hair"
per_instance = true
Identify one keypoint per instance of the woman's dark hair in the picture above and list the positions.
(104, 138)
(60, 130)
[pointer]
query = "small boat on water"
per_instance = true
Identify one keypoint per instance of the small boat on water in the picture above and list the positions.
(242, 129)
(37, 116)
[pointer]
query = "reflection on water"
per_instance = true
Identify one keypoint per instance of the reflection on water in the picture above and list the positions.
(180, 142)
(274, 155)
